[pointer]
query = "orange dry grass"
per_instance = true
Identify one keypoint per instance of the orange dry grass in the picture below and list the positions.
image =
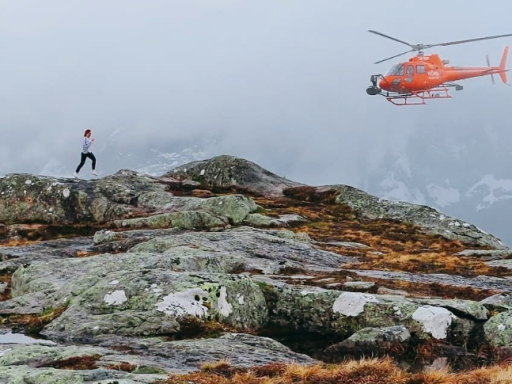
(365, 371)
(414, 289)
(15, 242)
(75, 363)
(34, 323)
(392, 245)
(435, 289)
(336, 222)
(86, 254)
(121, 366)
(500, 374)
(25, 234)
(430, 262)
(374, 371)
(216, 366)
(191, 327)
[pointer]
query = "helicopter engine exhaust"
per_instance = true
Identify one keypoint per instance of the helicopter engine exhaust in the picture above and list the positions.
(373, 89)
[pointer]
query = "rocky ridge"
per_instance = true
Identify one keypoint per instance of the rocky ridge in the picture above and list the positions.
(133, 277)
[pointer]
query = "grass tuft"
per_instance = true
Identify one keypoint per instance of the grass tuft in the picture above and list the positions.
(364, 371)
(75, 363)
(33, 324)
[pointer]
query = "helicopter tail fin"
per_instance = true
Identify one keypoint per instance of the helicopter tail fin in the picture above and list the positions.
(503, 63)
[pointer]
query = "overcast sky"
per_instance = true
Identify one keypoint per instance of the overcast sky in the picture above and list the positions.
(279, 82)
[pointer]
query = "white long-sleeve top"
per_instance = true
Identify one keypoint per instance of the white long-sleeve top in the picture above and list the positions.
(86, 145)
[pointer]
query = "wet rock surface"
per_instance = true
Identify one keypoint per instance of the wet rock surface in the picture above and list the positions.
(373, 341)
(242, 350)
(157, 354)
(201, 264)
(14, 257)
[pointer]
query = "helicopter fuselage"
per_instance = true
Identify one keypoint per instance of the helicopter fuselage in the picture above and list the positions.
(421, 73)
(428, 77)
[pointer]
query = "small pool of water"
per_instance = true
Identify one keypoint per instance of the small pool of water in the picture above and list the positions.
(19, 338)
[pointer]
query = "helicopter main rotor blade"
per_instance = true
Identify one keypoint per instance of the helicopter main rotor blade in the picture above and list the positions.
(389, 37)
(466, 41)
(392, 57)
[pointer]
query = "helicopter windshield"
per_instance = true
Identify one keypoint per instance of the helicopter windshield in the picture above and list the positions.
(396, 70)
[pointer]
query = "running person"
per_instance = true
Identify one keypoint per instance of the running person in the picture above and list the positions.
(86, 153)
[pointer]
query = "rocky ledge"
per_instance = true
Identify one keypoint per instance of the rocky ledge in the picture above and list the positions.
(131, 278)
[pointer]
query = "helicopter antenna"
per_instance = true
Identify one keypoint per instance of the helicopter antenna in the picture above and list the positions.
(421, 47)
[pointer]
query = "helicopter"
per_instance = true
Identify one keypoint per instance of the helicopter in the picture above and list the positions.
(425, 77)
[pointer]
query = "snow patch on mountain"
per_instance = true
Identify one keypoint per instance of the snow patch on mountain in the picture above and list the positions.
(492, 190)
(162, 162)
(443, 196)
(393, 188)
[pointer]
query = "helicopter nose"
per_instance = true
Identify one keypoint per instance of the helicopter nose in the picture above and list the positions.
(383, 84)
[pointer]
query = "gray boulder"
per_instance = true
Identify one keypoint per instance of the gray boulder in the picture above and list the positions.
(500, 302)
(373, 342)
(195, 213)
(155, 354)
(232, 172)
(498, 330)
(466, 308)
(314, 309)
(18, 374)
(156, 302)
(50, 200)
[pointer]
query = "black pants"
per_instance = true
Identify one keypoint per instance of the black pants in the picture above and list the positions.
(82, 161)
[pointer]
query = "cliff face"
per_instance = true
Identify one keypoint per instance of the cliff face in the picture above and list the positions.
(134, 271)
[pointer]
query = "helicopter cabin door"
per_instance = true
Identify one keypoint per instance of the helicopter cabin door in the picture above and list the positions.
(420, 77)
(409, 74)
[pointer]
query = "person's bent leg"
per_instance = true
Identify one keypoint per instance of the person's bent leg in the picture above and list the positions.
(93, 158)
(82, 162)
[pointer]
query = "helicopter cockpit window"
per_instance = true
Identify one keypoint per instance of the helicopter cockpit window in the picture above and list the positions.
(396, 70)
(420, 69)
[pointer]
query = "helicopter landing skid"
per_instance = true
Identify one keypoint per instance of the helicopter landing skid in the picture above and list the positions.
(419, 97)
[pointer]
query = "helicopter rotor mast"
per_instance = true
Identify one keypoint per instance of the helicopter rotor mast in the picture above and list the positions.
(421, 47)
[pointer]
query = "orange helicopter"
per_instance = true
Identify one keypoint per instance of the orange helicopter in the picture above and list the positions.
(426, 77)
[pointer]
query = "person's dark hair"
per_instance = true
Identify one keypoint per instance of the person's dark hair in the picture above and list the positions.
(86, 132)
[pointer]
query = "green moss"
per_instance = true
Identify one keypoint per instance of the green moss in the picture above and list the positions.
(319, 225)
(46, 312)
(199, 179)
(33, 324)
(271, 296)
(261, 210)
(311, 194)
(148, 370)
(191, 327)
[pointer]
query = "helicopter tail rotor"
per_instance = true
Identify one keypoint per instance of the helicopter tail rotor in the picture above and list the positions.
(489, 65)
